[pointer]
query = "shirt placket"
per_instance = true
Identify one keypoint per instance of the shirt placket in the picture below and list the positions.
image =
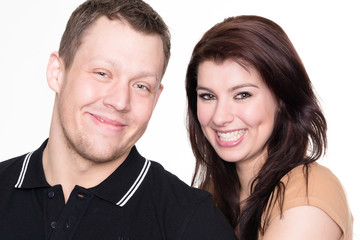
(64, 225)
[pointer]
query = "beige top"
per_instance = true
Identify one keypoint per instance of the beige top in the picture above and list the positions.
(324, 192)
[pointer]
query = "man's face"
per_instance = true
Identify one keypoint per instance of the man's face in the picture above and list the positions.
(106, 97)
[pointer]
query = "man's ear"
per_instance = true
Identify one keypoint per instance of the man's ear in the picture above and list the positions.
(55, 72)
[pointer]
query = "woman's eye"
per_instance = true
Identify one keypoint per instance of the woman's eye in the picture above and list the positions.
(243, 95)
(207, 96)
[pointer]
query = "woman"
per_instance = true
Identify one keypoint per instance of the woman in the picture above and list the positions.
(256, 130)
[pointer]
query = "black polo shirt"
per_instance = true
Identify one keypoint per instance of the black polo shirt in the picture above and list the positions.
(140, 200)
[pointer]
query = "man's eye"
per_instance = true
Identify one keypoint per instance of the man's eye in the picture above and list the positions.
(243, 95)
(102, 74)
(141, 86)
(207, 96)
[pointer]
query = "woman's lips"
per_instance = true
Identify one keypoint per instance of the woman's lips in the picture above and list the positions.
(230, 138)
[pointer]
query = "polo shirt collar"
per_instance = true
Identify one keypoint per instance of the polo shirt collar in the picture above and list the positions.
(118, 188)
(32, 173)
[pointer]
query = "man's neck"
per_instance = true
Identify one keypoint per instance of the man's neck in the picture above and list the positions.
(63, 167)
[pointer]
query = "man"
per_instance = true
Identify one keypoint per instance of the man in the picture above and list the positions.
(87, 180)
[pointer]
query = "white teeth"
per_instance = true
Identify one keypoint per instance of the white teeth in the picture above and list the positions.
(230, 136)
(100, 119)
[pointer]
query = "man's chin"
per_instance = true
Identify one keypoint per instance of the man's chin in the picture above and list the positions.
(100, 150)
(98, 155)
(103, 157)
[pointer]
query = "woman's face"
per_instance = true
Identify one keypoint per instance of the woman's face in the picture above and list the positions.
(236, 110)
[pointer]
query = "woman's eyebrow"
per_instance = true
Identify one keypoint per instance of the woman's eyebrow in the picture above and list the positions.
(203, 88)
(243, 86)
(231, 89)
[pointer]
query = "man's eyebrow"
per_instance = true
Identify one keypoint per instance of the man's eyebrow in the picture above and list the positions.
(145, 74)
(141, 74)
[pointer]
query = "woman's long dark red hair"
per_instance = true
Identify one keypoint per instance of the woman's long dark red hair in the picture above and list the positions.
(299, 135)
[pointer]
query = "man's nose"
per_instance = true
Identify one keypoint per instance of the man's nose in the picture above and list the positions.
(118, 97)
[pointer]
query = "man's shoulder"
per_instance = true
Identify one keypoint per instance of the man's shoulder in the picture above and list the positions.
(190, 212)
(9, 170)
(12, 163)
(170, 192)
(169, 183)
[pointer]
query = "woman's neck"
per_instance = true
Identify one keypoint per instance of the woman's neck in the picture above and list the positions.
(247, 170)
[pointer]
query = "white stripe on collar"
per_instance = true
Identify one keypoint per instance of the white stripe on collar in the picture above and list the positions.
(136, 184)
(23, 170)
(121, 203)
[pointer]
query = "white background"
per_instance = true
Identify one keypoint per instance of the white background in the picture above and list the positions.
(326, 35)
